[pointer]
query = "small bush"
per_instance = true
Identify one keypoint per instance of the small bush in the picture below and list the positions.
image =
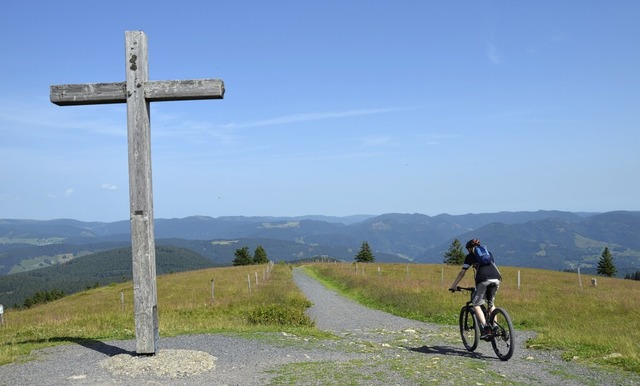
(279, 315)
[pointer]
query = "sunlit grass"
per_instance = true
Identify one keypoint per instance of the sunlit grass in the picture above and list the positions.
(585, 322)
(187, 304)
(588, 323)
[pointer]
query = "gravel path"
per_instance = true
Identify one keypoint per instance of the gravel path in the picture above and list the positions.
(371, 348)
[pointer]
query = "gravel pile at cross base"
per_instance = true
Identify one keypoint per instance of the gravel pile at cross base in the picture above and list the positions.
(370, 348)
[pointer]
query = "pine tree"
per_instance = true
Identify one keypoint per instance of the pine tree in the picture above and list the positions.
(605, 265)
(242, 257)
(365, 255)
(455, 255)
(260, 256)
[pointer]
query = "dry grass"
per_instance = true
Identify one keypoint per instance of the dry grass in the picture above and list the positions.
(592, 323)
(185, 306)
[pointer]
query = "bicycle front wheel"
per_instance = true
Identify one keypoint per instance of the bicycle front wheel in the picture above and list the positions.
(469, 330)
(503, 340)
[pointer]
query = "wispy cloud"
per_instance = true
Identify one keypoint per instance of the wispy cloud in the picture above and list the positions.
(307, 117)
(39, 115)
(438, 139)
(4, 197)
(559, 36)
(68, 192)
(493, 54)
(376, 141)
(108, 187)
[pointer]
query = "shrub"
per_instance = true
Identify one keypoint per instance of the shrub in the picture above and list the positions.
(274, 314)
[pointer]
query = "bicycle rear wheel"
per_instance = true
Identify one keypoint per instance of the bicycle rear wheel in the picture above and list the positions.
(469, 330)
(503, 340)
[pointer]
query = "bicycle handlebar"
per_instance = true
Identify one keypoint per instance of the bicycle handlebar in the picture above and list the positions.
(470, 289)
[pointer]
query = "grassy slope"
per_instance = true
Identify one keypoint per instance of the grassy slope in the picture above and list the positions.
(586, 323)
(589, 323)
(185, 307)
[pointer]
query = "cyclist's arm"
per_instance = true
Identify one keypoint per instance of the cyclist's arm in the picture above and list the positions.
(461, 274)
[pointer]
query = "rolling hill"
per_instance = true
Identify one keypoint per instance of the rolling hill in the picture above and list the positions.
(544, 239)
(97, 269)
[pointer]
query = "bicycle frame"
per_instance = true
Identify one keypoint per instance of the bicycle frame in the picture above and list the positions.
(502, 333)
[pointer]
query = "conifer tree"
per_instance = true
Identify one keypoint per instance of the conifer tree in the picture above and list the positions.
(365, 255)
(242, 257)
(455, 255)
(633, 276)
(260, 256)
(605, 265)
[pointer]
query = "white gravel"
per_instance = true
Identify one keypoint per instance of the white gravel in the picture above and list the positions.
(371, 348)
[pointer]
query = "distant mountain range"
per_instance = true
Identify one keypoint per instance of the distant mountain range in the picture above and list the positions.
(544, 239)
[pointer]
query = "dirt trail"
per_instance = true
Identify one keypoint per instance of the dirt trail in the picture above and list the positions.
(441, 346)
(371, 348)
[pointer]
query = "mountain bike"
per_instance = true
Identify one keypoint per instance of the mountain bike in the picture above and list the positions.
(502, 336)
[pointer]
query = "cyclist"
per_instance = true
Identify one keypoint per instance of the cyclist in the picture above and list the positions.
(487, 278)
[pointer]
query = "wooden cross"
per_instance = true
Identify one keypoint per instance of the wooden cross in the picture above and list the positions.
(137, 92)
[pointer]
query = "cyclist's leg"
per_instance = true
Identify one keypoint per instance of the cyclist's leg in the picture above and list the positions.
(491, 291)
(478, 300)
(483, 326)
(480, 315)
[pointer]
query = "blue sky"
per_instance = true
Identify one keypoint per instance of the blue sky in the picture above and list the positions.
(331, 107)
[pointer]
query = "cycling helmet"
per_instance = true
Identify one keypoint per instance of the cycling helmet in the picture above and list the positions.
(472, 243)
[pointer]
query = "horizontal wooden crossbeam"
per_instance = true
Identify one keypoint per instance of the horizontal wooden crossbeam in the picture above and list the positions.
(154, 91)
(137, 91)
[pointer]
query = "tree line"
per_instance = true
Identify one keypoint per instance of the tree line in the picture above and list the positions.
(42, 297)
(456, 256)
(26, 289)
(633, 276)
(242, 256)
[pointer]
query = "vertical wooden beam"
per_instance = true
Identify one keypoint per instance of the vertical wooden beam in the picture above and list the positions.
(141, 194)
(138, 92)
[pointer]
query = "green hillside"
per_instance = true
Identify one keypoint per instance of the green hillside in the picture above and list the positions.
(567, 316)
(99, 269)
(185, 306)
(551, 240)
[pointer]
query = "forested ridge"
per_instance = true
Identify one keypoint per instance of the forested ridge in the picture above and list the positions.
(99, 269)
(551, 240)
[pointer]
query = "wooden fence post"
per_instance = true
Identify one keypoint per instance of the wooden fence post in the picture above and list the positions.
(579, 278)
(213, 291)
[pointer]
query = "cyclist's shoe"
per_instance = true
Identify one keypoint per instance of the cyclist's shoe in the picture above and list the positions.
(486, 333)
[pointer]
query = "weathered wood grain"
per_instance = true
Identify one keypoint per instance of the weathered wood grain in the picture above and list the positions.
(154, 91)
(137, 92)
(177, 90)
(88, 93)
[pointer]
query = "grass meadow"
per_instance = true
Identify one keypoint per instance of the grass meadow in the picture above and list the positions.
(592, 324)
(188, 303)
